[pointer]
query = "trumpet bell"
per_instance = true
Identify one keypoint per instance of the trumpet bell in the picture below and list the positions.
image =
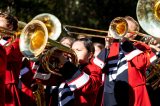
(118, 28)
(148, 16)
(33, 39)
(52, 23)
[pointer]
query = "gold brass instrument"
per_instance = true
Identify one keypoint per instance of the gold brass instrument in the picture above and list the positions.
(37, 42)
(102, 33)
(118, 28)
(38, 92)
(11, 34)
(148, 16)
(5, 33)
(36, 39)
(153, 77)
(52, 23)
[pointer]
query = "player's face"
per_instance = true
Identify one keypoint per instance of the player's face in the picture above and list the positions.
(81, 52)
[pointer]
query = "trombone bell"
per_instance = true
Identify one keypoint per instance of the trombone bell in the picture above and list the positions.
(118, 28)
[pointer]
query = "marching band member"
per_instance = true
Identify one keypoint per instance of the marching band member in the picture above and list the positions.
(132, 27)
(88, 93)
(25, 82)
(80, 83)
(145, 45)
(14, 60)
(67, 41)
(98, 47)
(124, 65)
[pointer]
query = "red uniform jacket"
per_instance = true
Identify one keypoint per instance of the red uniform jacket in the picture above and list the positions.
(87, 94)
(138, 61)
(3, 64)
(14, 61)
(85, 85)
(26, 80)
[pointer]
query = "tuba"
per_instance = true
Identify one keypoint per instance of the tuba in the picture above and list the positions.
(149, 19)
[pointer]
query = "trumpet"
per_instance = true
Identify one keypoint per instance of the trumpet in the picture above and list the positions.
(5, 33)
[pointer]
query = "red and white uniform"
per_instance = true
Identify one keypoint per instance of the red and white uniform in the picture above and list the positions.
(14, 61)
(136, 65)
(84, 84)
(87, 94)
(26, 80)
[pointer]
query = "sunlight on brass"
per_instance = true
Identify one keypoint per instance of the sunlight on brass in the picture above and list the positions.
(148, 15)
(52, 23)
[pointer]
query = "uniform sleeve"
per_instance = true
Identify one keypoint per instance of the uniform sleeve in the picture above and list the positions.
(142, 61)
(13, 52)
(95, 79)
(147, 52)
(100, 60)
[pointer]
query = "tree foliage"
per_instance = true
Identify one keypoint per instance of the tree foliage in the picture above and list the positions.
(86, 13)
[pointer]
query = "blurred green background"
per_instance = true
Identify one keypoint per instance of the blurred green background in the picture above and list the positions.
(86, 13)
(95, 14)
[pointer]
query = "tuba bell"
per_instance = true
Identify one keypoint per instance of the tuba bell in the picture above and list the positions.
(148, 16)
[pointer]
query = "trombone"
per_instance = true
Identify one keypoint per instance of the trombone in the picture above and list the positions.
(67, 27)
(103, 33)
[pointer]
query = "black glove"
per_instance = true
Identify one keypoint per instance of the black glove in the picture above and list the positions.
(68, 70)
(127, 46)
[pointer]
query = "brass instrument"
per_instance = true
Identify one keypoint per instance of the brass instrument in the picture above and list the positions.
(118, 28)
(52, 23)
(149, 19)
(37, 42)
(5, 33)
(153, 77)
(38, 92)
(101, 33)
